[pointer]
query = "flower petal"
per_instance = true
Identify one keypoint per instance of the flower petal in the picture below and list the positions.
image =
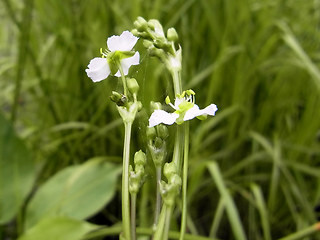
(192, 113)
(98, 69)
(126, 63)
(124, 42)
(210, 110)
(160, 116)
(195, 112)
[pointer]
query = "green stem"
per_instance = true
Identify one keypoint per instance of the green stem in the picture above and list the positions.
(177, 151)
(177, 86)
(167, 222)
(158, 197)
(159, 228)
(133, 216)
(184, 180)
(115, 230)
(303, 233)
(125, 182)
(125, 91)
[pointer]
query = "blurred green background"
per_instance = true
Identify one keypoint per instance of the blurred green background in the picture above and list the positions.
(257, 60)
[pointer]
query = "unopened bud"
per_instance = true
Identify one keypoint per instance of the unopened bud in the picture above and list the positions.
(172, 35)
(155, 105)
(147, 44)
(118, 98)
(132, 85)
(151, 133)
(169, 170)
(162, 131)
(141, 24)
(140, 158)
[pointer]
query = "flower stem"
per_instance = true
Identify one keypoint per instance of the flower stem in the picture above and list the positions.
(158, 197)
(125, 182)
(133, 215)
(160, 226)
(176, 77)
(167, 222)
(184, 180)
(125, 91)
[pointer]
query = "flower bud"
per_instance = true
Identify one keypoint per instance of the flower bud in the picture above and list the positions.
(169, 170)
(151, 133)
(155, 106)
(132, 85)
(162, 131)
(147, 44)
(141, 24)
(158, 143)
(140, 158)
(172, 35)
(118, 98)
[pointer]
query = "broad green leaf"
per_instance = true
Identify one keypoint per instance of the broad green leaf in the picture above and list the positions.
(77, 192)
(17, 172)
(58, 228)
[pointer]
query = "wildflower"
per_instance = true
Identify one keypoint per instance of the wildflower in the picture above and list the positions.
(119, 53)
(185, 109)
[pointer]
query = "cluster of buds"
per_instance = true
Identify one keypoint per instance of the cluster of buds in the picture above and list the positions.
(136, 176)
(171, 189)
(128, 106)
(157, 43)
(157, 140)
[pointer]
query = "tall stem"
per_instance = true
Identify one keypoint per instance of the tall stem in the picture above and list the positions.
(167, 223)
(125, 92)
(158, 197)
(125, 182)
(133, 216)
(184, 180)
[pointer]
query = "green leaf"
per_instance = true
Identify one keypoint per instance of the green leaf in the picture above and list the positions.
(17, 172)
(58, 228)
(77, 192)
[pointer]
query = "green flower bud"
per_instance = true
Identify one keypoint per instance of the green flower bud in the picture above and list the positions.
(135, 32)
(169, 170)
(155, 106)
(132, 85)
(172, 35)
(162, 131)
(140, 158)
(176, 181)
(158, 143)
(151, 133)
(147, 44)
(118, 98)
(141, 24)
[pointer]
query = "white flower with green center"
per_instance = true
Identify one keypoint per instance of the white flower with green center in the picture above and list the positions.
(119, 54)
(185, 109)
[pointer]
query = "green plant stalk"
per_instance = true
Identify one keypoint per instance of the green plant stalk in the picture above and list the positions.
(125, 182)
(167, 222)
(123, 79)
(114, 230)
(133, 215)
(160, 226)
(158, 197)
(303, 233)
(184, 181)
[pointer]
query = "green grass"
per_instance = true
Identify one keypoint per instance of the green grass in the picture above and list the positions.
(257, 60)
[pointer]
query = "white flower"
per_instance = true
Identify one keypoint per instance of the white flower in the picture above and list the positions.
(185, 109)
(99, 69)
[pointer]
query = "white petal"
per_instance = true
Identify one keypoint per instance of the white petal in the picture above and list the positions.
(126, 63)
(160, 116)
(192, 113)
(124, 42)
(98, 69)
(210, 110)
(195, 112)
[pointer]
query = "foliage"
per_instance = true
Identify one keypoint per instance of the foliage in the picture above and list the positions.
(257, 60)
